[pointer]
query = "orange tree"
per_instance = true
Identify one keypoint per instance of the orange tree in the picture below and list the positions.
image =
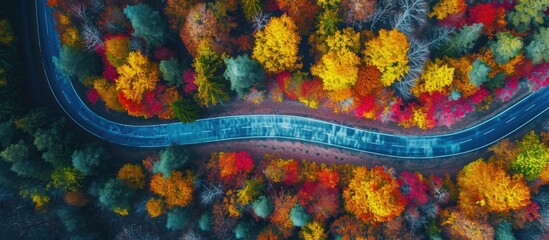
(484, 188)
(176, 189)
(132, 176)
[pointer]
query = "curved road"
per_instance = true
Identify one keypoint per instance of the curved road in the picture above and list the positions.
(277, 126)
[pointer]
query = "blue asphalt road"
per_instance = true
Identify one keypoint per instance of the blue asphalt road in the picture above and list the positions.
(277, 126)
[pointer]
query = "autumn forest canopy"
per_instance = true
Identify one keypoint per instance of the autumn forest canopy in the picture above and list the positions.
(410, 62)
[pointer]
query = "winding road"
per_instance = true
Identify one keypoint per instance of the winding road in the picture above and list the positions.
(277, 126)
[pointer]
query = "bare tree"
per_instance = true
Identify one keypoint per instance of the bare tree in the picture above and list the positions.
(384, 9)
(210, 193)
(78, 10)
(260, 20)
(192, 235)
(411, 14)
(133, 232)
(91, 36)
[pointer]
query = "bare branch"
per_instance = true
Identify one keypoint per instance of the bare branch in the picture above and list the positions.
(383, 9)
(412, 13)
(210, 193)
(78, 10)
(91, 36)
(260, 20)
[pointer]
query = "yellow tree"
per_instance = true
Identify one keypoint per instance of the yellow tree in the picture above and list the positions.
(107, 92)
(313, 231)
(137, 76)
(447, 7)
(117, 49)
(347, 38)
(337, 69)
(388, 52)
(484, 187)
(373, 196)
(436, 77)
(276, 46)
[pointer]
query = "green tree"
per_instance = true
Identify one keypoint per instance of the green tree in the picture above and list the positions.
(185, 110)
(243, 72)
(88, 159)
(171, 71)
(479, 73)
(527, 13)
(33, 120)
(245, 229)
(16, 152)
(7, 133)
(178, 219)
(496, 82)
(6, 34)
(73, 221)
(208, 65)
(506, 47)
(113, 194)
(504, 231)
(205, 222)
(251, 8)
(299, 216)
(532, 158)
(31, 169)
(77, 63)
(171, 159)
(147, 23)
(47, 138)
(538, 48)
(463, 40)
(68, 179)
(263, 207)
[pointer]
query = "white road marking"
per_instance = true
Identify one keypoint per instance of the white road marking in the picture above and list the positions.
(488, 131)
(225, 129)
(206, 131)
(285, 126)
(306, 129)
(350, 139)
(82, 115)
(187, 133)
(510, 120)
(246, 127)
(394, 145)
(530, 107)
(468, 140)
(64, 94)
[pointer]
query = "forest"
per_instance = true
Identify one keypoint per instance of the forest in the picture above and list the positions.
(56, 183)
(54, 186)
(413, 63)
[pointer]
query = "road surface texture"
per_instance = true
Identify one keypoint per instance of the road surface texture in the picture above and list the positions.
(277, 126)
